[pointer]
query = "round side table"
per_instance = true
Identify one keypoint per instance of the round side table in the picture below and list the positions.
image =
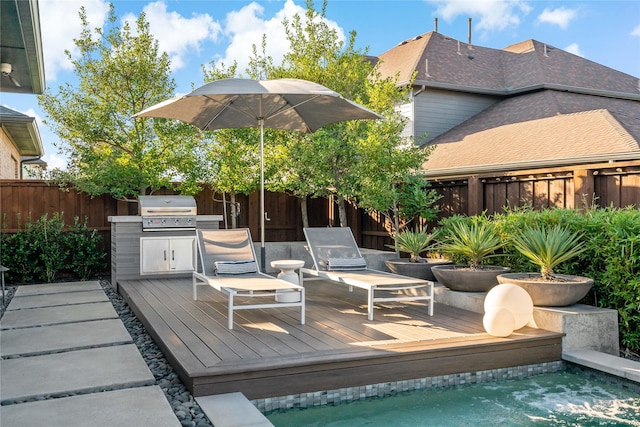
(288, 269)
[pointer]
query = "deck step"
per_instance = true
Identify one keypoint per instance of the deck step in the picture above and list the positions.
(611, 364)
(232, 410)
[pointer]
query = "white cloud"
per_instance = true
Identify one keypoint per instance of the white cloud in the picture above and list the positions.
(494, 15)
(636, 31)
(55, 162)
(60, 24)
(560, 16)
(176, 34)
(246, 27)
(575, 49)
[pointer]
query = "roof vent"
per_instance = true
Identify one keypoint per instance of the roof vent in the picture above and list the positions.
(402, 43)
(417, 37)
(459, 53)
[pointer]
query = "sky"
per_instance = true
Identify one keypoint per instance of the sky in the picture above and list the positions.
(196, 32)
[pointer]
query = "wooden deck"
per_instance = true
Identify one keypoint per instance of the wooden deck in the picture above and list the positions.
(269, 353)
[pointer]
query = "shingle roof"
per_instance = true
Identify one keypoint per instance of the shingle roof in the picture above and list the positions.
(518, 67)
(551, 141)
(555, 108)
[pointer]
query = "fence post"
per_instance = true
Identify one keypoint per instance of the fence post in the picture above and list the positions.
(584, 188)
(476, 195)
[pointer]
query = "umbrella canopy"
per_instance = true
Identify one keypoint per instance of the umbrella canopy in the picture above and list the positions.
(288, 104)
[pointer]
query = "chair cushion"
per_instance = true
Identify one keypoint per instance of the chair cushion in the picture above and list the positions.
(346, 264)
(235, 267)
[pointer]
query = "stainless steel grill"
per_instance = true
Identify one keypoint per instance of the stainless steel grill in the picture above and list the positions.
(167, 212)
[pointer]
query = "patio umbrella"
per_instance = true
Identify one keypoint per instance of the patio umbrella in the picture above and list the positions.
(288, 104)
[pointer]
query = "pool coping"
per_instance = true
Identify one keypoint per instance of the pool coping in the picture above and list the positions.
(618, 366)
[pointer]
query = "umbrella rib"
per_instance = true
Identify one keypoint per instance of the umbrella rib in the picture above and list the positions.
(228, 105)
(288, 106)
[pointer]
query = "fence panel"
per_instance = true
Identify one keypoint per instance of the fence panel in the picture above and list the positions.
(612, 184)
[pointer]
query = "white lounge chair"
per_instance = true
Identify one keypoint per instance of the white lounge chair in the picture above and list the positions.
(337, 258)
(228, 264)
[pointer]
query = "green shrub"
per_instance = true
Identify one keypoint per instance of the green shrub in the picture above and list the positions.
(611, 257)
(50, 246)
(19, 253)
(86, 257)
(41, 251)
(473, 240)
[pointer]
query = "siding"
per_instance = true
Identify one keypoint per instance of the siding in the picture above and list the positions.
(9, 155)
(437, 111)
(407, 111)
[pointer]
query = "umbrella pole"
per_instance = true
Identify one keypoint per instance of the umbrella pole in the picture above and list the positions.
(263, 256)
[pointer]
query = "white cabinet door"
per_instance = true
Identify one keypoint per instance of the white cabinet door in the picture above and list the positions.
(181, 253)
(167, 254)
(154, 255)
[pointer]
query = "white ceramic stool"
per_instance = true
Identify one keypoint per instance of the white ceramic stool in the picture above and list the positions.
(288, 269)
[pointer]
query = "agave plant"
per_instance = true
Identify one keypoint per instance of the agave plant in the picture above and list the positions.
(473, 241)
(547, 247)
(414, 243)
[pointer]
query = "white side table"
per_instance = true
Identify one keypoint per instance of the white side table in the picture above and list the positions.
(288, 269)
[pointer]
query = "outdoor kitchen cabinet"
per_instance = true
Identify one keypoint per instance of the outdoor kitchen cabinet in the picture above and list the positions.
(162, 255)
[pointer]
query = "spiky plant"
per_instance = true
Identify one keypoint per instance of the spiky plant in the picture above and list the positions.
(547, 247)
(473, 241)
(414, 243)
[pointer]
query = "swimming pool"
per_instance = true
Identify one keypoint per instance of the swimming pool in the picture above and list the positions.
(568, 398)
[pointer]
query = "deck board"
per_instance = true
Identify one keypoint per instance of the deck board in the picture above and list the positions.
(269, 353)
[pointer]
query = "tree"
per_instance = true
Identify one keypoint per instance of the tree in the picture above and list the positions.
(120, 72)
(346, 160)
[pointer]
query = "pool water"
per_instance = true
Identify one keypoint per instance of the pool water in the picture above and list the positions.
(558, 399)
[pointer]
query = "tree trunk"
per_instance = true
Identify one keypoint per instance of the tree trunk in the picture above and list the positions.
(234, 210)
(304, 211)
(342, 212)
(396, 224)
(224, 209)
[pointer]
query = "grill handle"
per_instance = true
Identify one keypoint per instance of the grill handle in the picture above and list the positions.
(165, 211)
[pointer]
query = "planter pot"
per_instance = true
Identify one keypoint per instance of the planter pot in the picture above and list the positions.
(418, 270)
(461, 278)
(550, 294)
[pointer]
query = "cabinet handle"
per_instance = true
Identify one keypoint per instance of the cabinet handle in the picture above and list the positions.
(165, 254)
(173, 255)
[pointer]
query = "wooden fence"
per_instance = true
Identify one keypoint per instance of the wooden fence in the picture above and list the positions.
(606, 184)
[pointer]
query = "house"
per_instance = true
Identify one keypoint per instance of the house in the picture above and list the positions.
(22, 71)
(521, 112)
(20, 145)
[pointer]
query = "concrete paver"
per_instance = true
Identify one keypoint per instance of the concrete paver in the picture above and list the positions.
(68, 336)
(144, 406)
(54, 288)
(62, 298)
(57, 315)
(232, 410)
(73, 372)
(66, 339)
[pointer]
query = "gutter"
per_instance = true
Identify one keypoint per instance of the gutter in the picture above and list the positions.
(33, 160)
(524, 89)
(466, 171)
